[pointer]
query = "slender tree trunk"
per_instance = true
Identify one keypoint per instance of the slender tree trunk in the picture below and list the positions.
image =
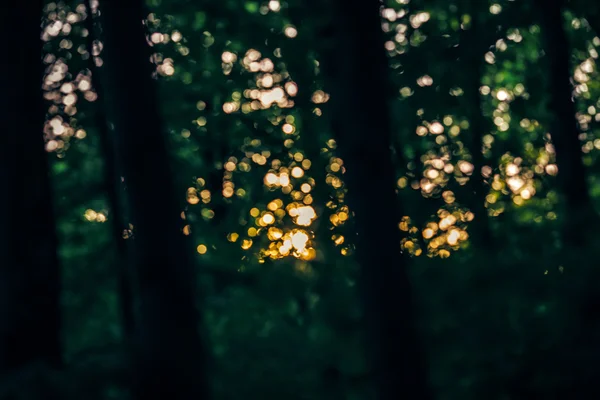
(472, 50)
(564, 127)
(170, 357)
(29, 270)
(360, 98)
(114, 186)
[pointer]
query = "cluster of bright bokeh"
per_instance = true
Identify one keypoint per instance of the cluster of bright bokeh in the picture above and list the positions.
(287, 220)
(284, 226)
(62, 88)
(518, 151)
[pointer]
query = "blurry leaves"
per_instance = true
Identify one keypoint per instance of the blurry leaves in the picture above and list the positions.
(199, 21)
(251, 6)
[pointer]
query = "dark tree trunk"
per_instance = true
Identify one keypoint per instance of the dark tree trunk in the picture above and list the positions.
(362, 122)
(169, 356)
(564, 127)
(472, 49)
(29, 271)
(113, 184)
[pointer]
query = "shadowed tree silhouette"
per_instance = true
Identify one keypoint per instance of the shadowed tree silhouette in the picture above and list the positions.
(169, 356)
(361, 121)
(113, 180)
(473, 46)
(564, 128)
(29, 270)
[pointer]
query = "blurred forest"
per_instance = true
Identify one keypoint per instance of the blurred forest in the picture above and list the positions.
(300, 200)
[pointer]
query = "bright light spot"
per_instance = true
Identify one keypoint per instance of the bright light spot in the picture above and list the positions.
(465, 167)
(228, 57)
(291, 88)
(271, 179)
(274, 233)
(515, 183)
(90, 215)
(291, 32)
(512, 169)
(168, 69)
(495, 9)
(305, 215)
(288, 129)
(84, 85)
(447, 222)
(425, 80)
(156, 37)
(453, 237)
(320, 97)
(267, 81)
(284, 179)
(551, 169)
(268, 219)
(436, 128)
(274, 5)
(502, 95)
(299, 240)
(297, 172)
